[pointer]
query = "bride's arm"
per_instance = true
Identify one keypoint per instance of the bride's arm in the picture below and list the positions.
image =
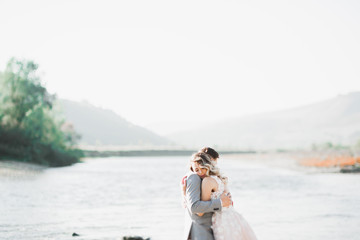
(207, 186)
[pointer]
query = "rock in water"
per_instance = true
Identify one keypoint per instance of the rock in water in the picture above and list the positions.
(350, 169)
(75, 235)
(135, 238)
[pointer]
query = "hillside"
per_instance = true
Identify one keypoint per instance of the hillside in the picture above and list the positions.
(98, 126)
(335, 120)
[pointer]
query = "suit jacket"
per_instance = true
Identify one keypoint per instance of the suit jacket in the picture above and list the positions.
(199, 228)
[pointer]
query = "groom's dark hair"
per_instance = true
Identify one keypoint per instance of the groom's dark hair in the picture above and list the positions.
(214, 154)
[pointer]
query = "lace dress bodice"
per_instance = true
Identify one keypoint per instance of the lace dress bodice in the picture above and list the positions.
(220, 190)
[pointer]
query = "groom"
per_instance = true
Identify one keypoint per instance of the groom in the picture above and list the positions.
(199, 228)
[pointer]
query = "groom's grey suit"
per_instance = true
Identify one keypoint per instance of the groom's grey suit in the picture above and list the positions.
(199, 228)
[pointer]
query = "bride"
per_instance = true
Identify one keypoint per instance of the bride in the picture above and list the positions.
(226, 224)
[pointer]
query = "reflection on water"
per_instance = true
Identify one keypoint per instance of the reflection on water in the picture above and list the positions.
(112, 197)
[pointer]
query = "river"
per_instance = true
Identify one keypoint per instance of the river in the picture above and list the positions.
(107, 198)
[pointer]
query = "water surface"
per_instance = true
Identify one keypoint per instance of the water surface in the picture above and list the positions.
(111, 197)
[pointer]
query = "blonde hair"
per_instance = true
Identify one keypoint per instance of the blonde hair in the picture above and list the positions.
(204, 160)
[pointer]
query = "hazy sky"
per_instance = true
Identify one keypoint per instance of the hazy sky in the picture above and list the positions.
(169, 65)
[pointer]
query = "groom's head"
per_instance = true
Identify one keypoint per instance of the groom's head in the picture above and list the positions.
(214, 155)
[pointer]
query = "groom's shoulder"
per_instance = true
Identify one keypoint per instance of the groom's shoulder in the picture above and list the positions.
(193, 176)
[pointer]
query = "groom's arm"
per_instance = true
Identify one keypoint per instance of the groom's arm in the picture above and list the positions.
(194, 204)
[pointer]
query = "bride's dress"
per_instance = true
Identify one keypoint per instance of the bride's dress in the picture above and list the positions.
(229, 224)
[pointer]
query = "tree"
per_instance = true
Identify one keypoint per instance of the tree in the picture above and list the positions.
(30, 129)
(23, 92)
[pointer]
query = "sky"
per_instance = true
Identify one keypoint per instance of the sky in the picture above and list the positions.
(173, 65)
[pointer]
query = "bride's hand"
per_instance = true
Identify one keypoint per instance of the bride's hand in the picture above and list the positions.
(228, 194)
(226, 199)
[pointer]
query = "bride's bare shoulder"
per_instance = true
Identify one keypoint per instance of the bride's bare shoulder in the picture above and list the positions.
(209, 181)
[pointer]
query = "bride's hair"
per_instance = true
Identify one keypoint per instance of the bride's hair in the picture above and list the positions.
(205, 162)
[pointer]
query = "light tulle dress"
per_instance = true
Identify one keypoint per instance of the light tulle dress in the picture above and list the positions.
(229, 224)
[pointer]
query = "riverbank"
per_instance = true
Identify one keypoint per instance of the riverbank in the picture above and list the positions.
(345, 161)
(151, 153)
(296, 160)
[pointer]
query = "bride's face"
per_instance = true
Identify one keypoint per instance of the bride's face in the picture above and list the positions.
(198, 170)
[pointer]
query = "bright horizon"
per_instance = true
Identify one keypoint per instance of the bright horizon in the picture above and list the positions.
(170, 66)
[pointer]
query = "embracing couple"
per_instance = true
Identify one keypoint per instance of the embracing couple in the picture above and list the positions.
(210, 213)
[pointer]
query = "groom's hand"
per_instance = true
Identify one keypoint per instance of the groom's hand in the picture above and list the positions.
(226, 199)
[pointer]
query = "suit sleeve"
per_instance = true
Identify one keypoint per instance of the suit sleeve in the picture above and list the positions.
(193, 202)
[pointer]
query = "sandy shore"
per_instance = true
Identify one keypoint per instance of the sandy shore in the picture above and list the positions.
(13, 169)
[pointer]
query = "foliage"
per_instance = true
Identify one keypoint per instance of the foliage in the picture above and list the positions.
(30, 130)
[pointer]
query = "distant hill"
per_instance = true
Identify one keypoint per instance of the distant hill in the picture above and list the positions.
(98, 126)
(336, 120)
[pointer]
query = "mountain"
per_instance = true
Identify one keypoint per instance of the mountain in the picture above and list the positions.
(335, 120)
(98, 126)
